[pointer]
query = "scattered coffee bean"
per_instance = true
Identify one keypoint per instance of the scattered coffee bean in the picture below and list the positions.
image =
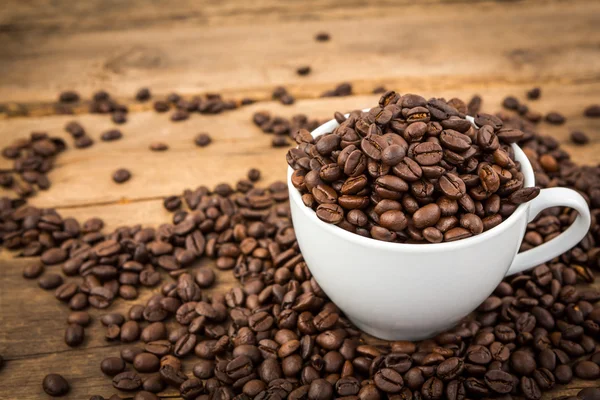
(68, 96)
(50, 281)
(83, 142)
(159, 146)
(322, 37)
(555, 118)
(203, 139)
(127, 381)
(592, 111)
(579, 137)
(510, 103)
(111, 135)
(534, 93)
(80, 318)
(143, 94)
(303, 71)
(74, 335)
(121, 175)
(119, 117)
(55, 385)
(33, 271)
(112, 366)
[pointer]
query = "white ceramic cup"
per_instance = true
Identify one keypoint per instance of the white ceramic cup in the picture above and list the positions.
(398, 291)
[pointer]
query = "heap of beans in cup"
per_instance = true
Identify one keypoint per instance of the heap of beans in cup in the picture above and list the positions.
(411, 170)
(276, 335)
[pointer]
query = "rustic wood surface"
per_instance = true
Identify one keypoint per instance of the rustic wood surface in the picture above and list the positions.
(431, 47)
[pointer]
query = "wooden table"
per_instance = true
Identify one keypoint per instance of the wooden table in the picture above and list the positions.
(239, 49)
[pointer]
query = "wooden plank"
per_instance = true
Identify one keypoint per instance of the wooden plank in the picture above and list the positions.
(412, 46)
(38, 15)
(84, 176)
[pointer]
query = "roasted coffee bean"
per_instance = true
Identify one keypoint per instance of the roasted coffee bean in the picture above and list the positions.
(127, 381)
(146, 362)
(202, 140)
(388, 380)
(587, 370)
(555, 118)
(111, 135)
(530, 389)
(121, 175)
(499, 381)
(74, 335)
(112, 366)
(33, 271)
(563, 374)
(159, 146)
(80, 318)
(55, 385)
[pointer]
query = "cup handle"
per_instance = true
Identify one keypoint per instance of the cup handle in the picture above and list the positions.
(565, 241)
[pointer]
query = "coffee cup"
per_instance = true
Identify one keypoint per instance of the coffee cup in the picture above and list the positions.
(398, 291)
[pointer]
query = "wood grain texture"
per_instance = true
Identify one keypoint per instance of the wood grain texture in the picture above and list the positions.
(432, 47)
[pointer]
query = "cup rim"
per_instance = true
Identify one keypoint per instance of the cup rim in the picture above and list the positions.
(310, 214)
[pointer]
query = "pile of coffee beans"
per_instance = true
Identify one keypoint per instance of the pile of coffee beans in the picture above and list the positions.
(412, 171)
(277, 335)
(33, 158)
(281, 127)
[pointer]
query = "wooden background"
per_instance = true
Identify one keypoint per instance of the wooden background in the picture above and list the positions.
(240, 49)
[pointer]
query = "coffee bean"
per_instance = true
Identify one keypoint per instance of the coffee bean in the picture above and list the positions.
(127, 381)
(330, 213)
(83, 142)
(55, 385)
(563, 374)
(119, 117)
(303, 70)
(68, 96)
(499, 381)
(320, 389)
(74, 335)
(159, 146)
(146, 362)
(121, 175)
(524, 195)
(202, 139)
(510, 103)
(111, 135)
(530, 389)
(592, 111)
(322, 37)
(143, 94)
(452, 186)
(388, 380)
(53, 256)
(579, 137)
(80, 318)
(534, 93)
(50, 281)
(555, 118)
(145, 395)
(112, 366)
(33, 271)
(587, 370)
(426, 216)
(428, 153)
